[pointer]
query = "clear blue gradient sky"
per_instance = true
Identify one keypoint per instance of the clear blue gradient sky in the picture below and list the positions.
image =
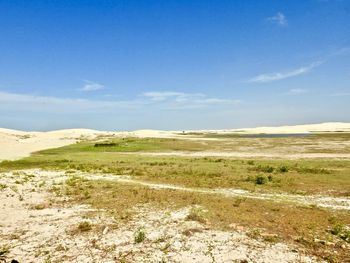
(124, 65)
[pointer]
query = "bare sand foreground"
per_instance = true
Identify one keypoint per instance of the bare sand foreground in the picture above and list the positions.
(17, 144)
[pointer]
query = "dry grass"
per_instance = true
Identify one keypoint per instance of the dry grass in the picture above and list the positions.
(303, 225)
(294, 176)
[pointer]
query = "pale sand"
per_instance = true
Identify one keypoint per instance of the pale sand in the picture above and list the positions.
(295, 129)
(17, 144)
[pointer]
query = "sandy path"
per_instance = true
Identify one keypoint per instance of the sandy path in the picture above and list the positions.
(338, 203)
(37, 227)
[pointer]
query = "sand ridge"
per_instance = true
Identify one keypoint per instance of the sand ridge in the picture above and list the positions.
(17, 144)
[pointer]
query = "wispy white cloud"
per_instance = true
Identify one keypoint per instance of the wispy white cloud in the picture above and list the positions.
(91, 86)
(164, 95)
(186, 100)
(148, 101)
(15, 101)
(279, 19)
(297, 91)
(269, 77)
(284, 75)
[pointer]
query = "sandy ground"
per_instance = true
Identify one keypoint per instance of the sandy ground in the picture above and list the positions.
(294, 129)
(17, 144)
(37, 226)
(321, 127)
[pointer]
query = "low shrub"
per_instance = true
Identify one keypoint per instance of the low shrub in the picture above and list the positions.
(196, 214)
(106, 144)
(140, 236)
(261, 179)
(283, 169)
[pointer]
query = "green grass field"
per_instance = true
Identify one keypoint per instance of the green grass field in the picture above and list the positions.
(304, 176)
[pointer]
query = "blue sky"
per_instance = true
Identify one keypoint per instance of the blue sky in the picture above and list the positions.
(124, 65)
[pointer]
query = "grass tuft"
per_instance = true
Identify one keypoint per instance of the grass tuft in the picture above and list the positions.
(84, 226)
(196, 214)
(140, 235)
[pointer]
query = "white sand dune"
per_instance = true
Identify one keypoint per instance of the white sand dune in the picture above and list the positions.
(295, 129)
(17, 144)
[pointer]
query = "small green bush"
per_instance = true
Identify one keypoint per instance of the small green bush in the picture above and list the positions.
(337, 229)
(106, 144)
(261, 179)
(283, 169)
(140, 236)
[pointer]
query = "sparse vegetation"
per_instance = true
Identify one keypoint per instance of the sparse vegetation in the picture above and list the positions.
(3, 251)
(312, 170)
(307, 176)
(280, 221)
(341, 231)
(84, 226)
(238, 201)
(261, 179)
(39, 206)
(140, 235)
(196, 214)
(263, 168)
(283, 169)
